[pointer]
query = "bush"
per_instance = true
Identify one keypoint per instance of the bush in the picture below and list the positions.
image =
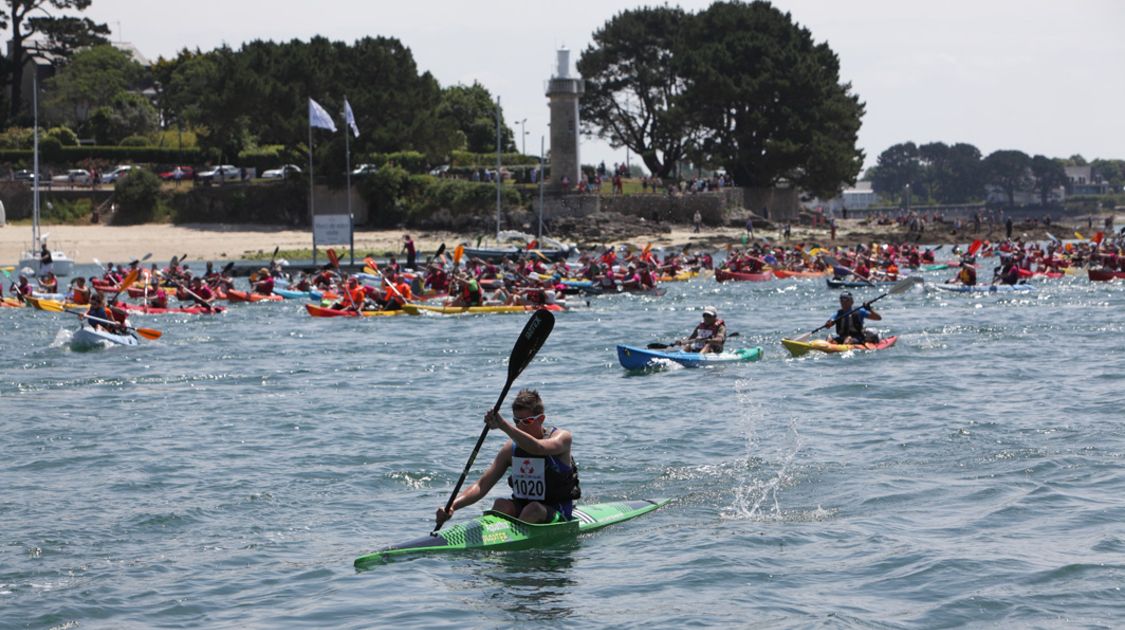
(138, 198)
(50, 149)
(67, 211)
(65, 136)
(282, 203)
(134, 141)
(385, 192)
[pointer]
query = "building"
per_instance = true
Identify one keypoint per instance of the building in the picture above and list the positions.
(1083, 181)
(563, 93)
(859, 197)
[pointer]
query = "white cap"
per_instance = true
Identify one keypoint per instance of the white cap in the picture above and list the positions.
(710, 310)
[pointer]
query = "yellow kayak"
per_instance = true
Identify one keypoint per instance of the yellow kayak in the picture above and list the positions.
(55, 305)
(799, 348)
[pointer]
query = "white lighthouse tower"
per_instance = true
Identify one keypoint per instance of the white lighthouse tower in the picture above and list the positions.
(563, 92)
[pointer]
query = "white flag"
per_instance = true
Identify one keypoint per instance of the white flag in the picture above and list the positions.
(349, 117)
(318, 117)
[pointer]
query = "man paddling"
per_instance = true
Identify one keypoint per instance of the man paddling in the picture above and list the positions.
(966, 276)
(849, 325)
(709, 335)
(543, 477)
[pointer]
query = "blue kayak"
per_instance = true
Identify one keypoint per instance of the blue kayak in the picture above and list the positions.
(636, 358)
(292, 295)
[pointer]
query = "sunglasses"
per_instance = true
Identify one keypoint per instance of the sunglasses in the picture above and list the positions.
(530, 419)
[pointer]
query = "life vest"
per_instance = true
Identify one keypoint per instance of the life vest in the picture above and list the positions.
(703, 333)
(80, 296)
(850, 325)
(545, 479)
(968, 276)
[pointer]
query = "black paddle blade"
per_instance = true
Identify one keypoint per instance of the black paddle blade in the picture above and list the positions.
(535, 332)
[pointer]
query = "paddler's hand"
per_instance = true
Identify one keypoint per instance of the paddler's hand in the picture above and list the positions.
(443, 515)
(867, 305)
(493, 419)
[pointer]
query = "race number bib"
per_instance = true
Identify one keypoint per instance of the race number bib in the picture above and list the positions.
(529, 480)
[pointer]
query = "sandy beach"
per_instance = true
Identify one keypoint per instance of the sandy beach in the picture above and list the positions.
(84, 243)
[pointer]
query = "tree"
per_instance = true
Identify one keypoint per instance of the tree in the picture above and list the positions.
(92, 79)
(770, 100)
(966, 174)
(128, 114)
(934, 160)
(635, 86)
(62, 33)
(1049, 174)
(472, 110)
(1008, 170)
(897, 167)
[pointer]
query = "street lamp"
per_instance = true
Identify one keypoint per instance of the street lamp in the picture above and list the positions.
(523, 140)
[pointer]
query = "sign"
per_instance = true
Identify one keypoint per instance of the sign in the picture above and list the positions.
(332, 229)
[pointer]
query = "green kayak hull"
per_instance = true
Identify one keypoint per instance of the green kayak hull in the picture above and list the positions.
(494, 530)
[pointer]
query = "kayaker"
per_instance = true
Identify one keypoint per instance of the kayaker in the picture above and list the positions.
(264, 284)
(967, 276)
(49, 283)
(709, 335)
(398, 293)
(849, 324)
(80, 292)
(1007, 273)
(98, 311)
(543, 475)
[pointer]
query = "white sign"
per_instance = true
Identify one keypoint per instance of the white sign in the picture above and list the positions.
(332, 229)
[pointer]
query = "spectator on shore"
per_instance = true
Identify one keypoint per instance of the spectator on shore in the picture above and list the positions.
(697, 221)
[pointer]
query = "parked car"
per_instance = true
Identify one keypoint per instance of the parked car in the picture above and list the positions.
(24, 175)
(116, 174)
(283, 172)
(177, 173)
(440, 170)
(364, 169)
(225, 172)
(73, 176)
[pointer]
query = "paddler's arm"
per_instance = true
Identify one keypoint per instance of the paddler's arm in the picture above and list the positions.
(481, 488)
(557, 444)
(871, 314)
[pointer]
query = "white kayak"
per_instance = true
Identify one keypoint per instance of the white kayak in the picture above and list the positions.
(89, 337)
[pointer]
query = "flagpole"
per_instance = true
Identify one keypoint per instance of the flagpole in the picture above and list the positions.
(348, 173)
(312, 213)
(497, 168)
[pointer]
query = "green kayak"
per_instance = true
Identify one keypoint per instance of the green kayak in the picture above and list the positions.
(494, 530)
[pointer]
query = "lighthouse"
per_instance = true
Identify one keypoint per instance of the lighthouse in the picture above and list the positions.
(563, 92)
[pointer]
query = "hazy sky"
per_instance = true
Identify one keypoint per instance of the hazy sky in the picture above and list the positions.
(1035, 75)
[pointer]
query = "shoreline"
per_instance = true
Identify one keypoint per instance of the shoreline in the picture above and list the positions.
(226, 242)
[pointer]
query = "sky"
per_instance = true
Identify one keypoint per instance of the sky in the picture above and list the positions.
(1044, 77)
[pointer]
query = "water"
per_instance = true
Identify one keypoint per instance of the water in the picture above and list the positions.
(228, 474)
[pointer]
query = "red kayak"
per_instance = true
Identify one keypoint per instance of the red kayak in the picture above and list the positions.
(741, 276)
(1103, 275)
(152, 310)
(792, 273)
(234, 295)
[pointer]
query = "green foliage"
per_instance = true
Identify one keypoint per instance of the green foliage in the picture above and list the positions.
(138, 198)
(937, 171)
(65, 136)
(459, 197)
(386, 192)
(17, 138)
(637, 77)
(50, 149)
(67, 211)
(472, 110)
(134, 141)
(1008, 169)
(93, 79)
(487, 160)
(738, 85)
(129, 114)
(1049, 175)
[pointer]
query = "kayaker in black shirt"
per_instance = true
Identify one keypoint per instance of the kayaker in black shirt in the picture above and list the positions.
(543, 477)
(849, 325)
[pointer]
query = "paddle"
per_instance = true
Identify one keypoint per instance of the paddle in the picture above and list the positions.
(660, 346)
(458, 252)
(836, 263)
(55, 307)
(902, 286)
(535, 332)
(439, 252)
(130, 278)
(975, 247)
(373, 266)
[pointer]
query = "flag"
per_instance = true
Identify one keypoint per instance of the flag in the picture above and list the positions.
(349, 117)
(320, 118)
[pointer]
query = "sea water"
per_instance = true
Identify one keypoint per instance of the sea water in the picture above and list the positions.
(228, 474)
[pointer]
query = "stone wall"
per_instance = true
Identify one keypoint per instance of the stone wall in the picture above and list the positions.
(774, 204)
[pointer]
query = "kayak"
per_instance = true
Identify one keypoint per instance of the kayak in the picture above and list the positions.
(88, 337)
(11, 302)
(234, 295)
(494, 530)
(289, 294)
(637, 358)
(415, 309)
(722, 275)
(858, 284)
(44, 304)
(322, 311)
(1104, 275)
(986, 288)
(798, 348)
(790, 273)
(186, 310)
